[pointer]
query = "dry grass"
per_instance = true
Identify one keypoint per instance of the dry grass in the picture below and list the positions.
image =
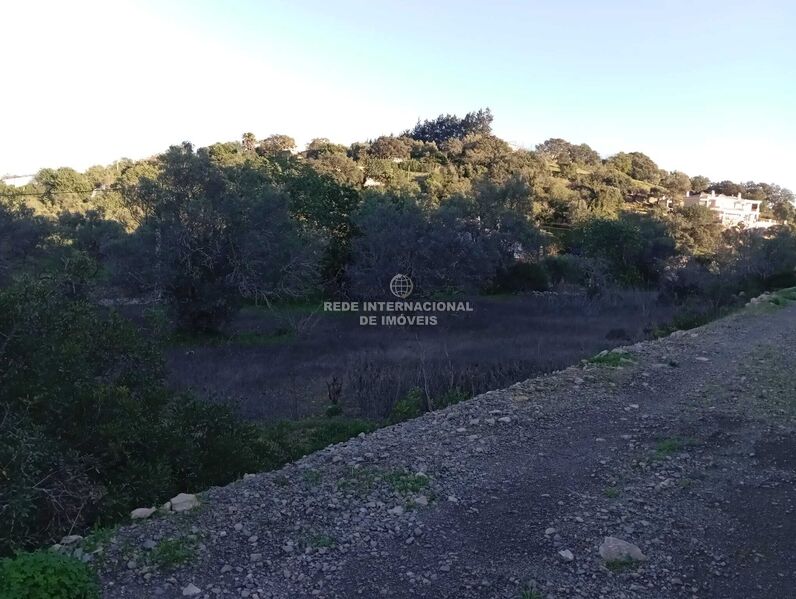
(505, 339)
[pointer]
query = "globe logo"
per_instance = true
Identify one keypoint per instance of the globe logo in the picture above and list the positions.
(401, 286)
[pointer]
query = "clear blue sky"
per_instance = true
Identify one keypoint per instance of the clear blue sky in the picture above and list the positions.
(706, 87)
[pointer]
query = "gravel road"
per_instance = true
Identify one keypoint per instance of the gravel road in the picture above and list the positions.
(685, 447)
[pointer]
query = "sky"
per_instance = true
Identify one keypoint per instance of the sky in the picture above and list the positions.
(701, 86)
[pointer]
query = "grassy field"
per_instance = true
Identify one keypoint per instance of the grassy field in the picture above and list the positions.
(278, 364)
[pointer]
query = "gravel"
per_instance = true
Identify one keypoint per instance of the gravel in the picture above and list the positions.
(691, 461)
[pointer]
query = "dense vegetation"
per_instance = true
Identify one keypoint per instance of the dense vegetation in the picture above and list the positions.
(88, 428)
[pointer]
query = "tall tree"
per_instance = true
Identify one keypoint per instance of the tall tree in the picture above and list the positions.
(211, 237)
(449, 126)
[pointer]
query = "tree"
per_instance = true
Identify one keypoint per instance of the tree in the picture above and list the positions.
(601, 200)
(276, 145)
(22, 235)
(493, 200)
(446, 249)
(695, 230)
(727, 188)
(63, 188)
(617, 243)
(448, 126)
(339, 167)
(90, 232)
(213, 235)
(249, 141)
(560, 150)
(699, 183)
(637, 165)
(388, 146)
(321, 146)
(643, 168)
(676, 183)
(777, 202)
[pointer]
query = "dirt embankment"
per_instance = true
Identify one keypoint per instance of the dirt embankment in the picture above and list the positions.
(685, 447)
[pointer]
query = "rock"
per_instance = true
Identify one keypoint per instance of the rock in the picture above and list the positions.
(504, 419)
(71, 539)
(421, 500)
(142, 513)
(398, 510)
(184, 502)
(566, 555)
(702, 359)
(549, 531)
(665, 484)
(617, 550)
(191, 590)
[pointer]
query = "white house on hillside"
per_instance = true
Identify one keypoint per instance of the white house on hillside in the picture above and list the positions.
(730, 210)
(17, 180)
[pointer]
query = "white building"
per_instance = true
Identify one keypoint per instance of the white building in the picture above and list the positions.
(17, 180)
(730, 210)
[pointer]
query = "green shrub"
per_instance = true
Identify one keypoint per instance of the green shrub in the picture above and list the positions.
(411, 406)
(291, 440)
(333, 410)
(450, 397)
(46, 575)
(405, 482)
(44, 486)
(612, 359)
(565, 268)
(522, 276)
(779, 280)
(170, 553)
(84, 407)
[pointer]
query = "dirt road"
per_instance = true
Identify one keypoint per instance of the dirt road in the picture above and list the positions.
(685, 447)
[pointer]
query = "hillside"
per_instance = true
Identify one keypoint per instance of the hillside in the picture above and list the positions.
(675, 445)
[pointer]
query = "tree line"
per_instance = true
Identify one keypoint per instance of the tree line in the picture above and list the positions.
(446, 202)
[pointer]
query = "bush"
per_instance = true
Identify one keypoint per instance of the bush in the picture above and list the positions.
(21, 236)
(565, 268)
(90, 232)
(46, 575)
(522, 276)
(410, 406)
(44, 487)
(633, 248)
(288, 441)
(84, 407)
(450, 397)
